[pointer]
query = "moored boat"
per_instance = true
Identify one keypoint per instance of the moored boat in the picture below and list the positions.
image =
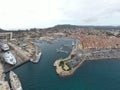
(4, 46)
(9, 58)
(15, 82)
(36, 56)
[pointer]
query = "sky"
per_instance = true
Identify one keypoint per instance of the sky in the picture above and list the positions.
(23, 14)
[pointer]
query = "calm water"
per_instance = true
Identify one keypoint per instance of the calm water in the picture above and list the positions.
(92, 75)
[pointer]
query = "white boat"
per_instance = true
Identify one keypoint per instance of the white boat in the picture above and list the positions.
(15, 82)
(4, 47)
(73, 43)
(9, 58)
(38, 57)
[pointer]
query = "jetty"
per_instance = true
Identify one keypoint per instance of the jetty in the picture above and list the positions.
(67, 66)
(62, 51)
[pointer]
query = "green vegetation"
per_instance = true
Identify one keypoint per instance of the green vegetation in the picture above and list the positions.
(61, 63)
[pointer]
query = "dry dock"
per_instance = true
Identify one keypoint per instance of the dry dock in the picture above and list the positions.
(22, 53)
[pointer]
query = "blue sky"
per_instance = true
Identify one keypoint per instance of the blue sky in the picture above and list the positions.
(22, 14)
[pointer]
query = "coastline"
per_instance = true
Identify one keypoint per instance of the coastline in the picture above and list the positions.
(66, 73)
(61, 72)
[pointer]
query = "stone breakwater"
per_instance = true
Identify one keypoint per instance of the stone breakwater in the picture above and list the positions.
(64, 73)
(67, 66)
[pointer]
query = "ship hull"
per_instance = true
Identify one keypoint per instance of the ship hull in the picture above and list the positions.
(38, 56)
(9, 58)
(15, 82)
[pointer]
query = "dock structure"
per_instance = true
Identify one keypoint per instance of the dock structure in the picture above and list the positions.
(1, 68)
(6, 35)
(4, 85)
(20, 55)
(23, 54)
(62, 51)
(22, 51)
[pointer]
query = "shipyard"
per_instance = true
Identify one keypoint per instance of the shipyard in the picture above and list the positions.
(14, 53)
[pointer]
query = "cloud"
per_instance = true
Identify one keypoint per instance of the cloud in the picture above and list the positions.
(87, 11)
(44, 13)
(28, 13)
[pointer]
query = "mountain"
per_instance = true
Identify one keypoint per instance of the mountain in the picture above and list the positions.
(68, 26)
(1, 30)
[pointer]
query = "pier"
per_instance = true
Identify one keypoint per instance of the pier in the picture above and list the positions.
(62, 51)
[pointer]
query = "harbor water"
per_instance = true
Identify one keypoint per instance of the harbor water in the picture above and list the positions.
(92, 75)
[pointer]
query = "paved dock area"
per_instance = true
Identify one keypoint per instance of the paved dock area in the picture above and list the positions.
(22, 56)
(3, 84)
(1, 68)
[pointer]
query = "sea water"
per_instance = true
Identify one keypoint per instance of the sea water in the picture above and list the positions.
(92, 75)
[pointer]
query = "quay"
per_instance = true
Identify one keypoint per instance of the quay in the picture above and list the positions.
(64, 66)
(65, 72)
(67, 66)
(4, 85)
(21, 56)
